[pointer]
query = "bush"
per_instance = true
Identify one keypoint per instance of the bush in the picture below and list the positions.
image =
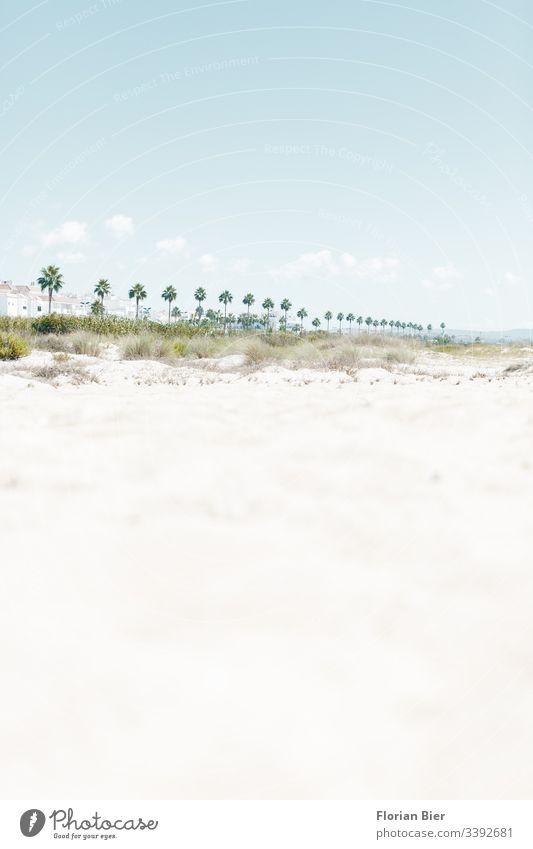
(14, 325)
(85, 343)
(50, 342)
(55, 323)
(257, 350)
(13, 347)
(180, 348)
(146, 346)
(201, 347)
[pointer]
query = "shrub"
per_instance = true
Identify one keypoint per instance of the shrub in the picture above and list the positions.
(50, 342)
(146, 346)
(180, 348)
(14, 325)
(281, 339)
(201, 347)
(54, 323)
(13, 347)
(257, 350)
(85, 343)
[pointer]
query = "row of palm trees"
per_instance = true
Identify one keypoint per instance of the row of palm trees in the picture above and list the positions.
(169, 294)
(51, 280)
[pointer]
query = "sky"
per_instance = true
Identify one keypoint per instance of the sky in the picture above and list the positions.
(352, 155)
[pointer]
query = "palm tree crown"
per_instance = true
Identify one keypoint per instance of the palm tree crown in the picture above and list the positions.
(102, 288)
(139, 293)
(302, 313)
(51, 279)
(268, 304)
(169, 294)
(225, 298)
(285, 306)
(200, 295)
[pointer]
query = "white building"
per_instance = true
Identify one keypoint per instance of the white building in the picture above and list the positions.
(30, 302)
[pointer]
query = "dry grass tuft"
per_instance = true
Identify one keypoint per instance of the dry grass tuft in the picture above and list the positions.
(146, 346)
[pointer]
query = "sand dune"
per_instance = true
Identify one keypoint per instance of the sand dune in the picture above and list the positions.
(221, 583)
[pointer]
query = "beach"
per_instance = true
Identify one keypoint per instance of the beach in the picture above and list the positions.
(272, 583)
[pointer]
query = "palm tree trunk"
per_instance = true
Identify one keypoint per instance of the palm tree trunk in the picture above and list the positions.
(169, 306)
(49, 301)
(136, 308)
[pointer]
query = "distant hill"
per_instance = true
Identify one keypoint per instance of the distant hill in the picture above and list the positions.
(494, 336)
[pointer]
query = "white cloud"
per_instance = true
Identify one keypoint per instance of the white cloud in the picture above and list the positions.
(120, 226)
(325, 264)
(442, 278)
(512, 279)
(72, 257)
(69, 233)
(208, 263)
(241, 266)
(29, 250)
(177, 245)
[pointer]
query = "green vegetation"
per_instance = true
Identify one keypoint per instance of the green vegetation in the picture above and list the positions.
(12, 347)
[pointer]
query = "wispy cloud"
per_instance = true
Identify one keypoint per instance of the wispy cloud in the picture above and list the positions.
(325, 264)
(69, 233)
(208, 263)
(72, 257)
(442, 278)
(120, 226)
(241, 265)
(177, 245)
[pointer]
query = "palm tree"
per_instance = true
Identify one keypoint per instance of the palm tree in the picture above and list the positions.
(368, 322)
(225, 298)
(248, 300)
(285, 306)
(176, 313)
(200, 295)
(328, 316)
(340, 318)
(376, 324)
(443, 328)
(139, 293)
(391, 325)
(268, 304)
(52, 280)
(383, 323)
(398, 325)
(349, 318)
(429, 328)
(302, 313)
(316, 323)
(359, 321)
(102, 288)
(403, 326)
(169, 294)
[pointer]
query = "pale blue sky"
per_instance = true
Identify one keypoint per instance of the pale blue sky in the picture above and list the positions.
(355, 155)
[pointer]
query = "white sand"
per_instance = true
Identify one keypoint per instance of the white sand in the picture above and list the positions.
(275, 585)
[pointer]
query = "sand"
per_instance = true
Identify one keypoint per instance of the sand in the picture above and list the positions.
(219, 583)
